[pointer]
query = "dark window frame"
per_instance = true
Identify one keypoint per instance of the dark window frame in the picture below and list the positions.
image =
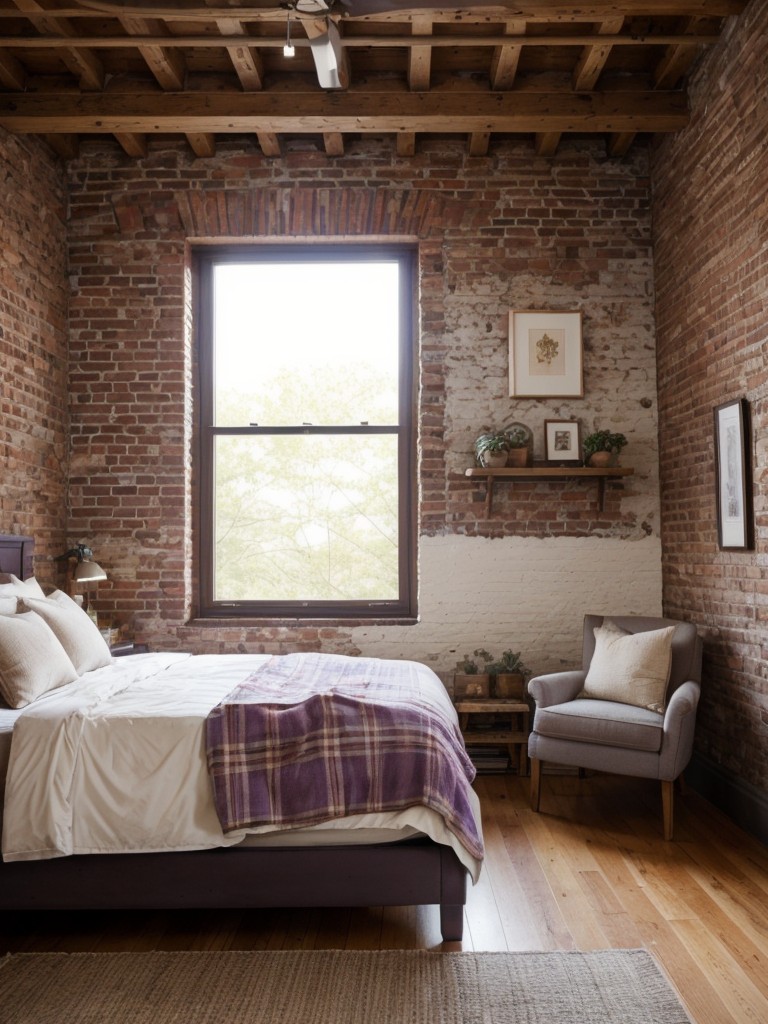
(205, 258)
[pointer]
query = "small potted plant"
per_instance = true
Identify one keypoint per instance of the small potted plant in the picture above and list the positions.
(509, 674)
(519, 443)
(472, 678)
(602, 448)
(491, 450)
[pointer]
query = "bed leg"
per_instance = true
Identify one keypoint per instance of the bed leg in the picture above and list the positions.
(451, 921)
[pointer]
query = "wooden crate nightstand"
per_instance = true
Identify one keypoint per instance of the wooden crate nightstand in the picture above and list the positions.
(512, 734)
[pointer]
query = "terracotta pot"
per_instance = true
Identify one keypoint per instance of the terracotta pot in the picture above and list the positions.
(600, 460)
(509, 685)
(517, 457)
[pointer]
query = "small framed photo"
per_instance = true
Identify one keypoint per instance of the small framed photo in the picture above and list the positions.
(562, 442)
(545, 354)
(733, 473)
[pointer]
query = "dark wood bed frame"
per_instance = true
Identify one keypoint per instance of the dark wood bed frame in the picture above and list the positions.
(410, 873)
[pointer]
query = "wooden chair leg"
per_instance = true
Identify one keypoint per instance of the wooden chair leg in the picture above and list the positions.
(535, 783)
(668, 806)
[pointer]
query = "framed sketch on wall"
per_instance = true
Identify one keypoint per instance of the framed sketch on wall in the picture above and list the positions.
(733, 475)
(545, 354)
(562, 445)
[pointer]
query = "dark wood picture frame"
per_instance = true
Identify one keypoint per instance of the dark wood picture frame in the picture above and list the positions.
(733, 476)
(558, 433)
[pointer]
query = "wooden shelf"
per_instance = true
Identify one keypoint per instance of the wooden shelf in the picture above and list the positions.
(510, 474)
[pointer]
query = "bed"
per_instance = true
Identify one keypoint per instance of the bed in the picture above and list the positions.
(345, 862)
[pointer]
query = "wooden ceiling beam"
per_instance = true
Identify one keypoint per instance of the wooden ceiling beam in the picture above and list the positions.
(133, 144)
(165, 63)
(65, 146)
(405, 144)
(352, 111)
(269, 143)
(507, 58)
(479, 143)
(12, 72)
(334, 143)
(420, 57)
(546, 143)
(594, 58)
(590, 10)
(79, 59)
(248, 65)
(120, 42)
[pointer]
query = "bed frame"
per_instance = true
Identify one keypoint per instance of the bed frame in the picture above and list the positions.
(410, 873)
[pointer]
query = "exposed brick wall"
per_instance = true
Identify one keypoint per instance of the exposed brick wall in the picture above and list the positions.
(710, 211)
(506, 231)
(33, 347)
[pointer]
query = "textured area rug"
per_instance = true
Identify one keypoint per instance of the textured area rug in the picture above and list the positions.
(336, 987)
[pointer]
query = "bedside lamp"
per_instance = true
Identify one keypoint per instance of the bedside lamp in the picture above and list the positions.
(86, 572)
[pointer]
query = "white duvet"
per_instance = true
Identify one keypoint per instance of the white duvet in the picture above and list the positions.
(115, 763)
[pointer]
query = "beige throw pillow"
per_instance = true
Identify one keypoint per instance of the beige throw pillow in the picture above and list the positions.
(631, 668)
(11, 585)
(78, 635)
(32, 661)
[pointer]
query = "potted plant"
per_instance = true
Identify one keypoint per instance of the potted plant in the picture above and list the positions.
(519, 443)
(491, 450)
(471, 678)
(602, 447)
(509, 674)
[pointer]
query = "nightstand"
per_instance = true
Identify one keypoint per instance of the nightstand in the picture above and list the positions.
(511, 732)
(126, 647)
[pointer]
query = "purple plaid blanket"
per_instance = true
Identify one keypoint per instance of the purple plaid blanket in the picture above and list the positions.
(312, 737)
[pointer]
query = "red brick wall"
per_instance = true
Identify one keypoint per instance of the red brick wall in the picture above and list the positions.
(710, 214)
(507, 231)
(33, 347)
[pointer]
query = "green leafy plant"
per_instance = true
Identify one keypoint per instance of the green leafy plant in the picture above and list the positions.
(509, 662)
(518, 436)
(492, 443)
(603, 441)
(473, 666)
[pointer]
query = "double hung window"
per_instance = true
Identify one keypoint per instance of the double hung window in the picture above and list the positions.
(305, 423)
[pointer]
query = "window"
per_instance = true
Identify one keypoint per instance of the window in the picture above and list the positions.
(306, 431)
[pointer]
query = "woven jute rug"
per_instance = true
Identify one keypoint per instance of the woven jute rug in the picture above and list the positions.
(336, 987)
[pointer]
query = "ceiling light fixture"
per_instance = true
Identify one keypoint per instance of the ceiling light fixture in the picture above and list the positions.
(289, 49)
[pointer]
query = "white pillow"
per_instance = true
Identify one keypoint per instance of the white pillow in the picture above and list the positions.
(8, 605)
(32, 661)
(631, 668)
(78, 635)
(10, 585)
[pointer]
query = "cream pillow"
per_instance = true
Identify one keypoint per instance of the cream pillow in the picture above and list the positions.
(78, 635)
(11, 585)
(631, 668)
(8, 605)
(32, 661)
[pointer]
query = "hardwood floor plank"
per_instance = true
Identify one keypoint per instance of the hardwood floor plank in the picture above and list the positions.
(590, 871)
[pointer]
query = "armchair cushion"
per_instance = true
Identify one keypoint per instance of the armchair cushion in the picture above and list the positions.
(603, 722)
(631, 668)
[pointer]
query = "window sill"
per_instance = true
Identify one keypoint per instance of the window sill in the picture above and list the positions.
(295, 623)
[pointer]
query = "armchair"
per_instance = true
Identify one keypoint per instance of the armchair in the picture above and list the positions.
(609, 736)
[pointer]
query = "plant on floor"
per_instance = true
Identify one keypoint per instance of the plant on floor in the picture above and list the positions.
(510, 663)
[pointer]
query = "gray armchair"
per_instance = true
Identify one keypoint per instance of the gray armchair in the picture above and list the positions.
(619, 738)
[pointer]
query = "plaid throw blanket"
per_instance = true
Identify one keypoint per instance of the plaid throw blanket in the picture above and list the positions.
(312, 737)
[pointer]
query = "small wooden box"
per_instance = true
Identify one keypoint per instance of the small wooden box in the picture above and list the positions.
(466, 685)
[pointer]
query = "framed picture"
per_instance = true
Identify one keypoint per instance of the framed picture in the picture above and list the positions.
(545, 354)
(733, 475)
(562, 442)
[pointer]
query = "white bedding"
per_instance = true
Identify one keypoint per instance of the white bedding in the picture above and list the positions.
(115, 762)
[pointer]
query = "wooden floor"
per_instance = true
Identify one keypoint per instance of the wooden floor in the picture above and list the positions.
(590, 872)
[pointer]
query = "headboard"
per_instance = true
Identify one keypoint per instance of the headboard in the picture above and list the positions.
(16, 555)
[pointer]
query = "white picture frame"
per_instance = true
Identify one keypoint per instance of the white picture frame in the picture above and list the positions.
(545, 354)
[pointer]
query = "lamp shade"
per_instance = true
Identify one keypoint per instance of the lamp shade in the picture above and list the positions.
(88, 572)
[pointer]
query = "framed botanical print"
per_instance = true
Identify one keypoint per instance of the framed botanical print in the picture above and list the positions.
(562, 444)
(545, 354)
(733, 475)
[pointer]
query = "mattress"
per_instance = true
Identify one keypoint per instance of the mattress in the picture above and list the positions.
(154, 754)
